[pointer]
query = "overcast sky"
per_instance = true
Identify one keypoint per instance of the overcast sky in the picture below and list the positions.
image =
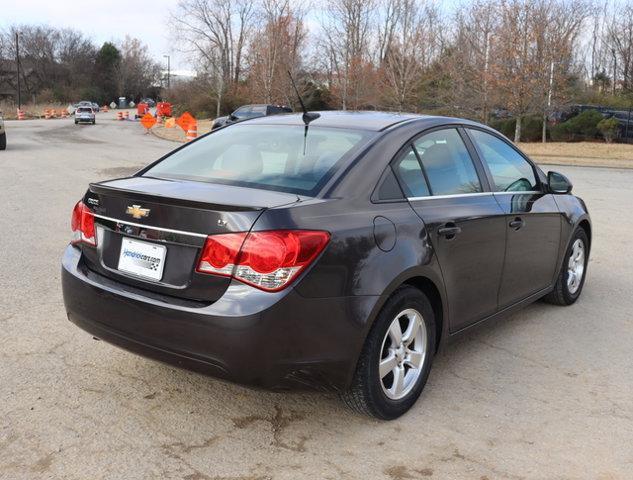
(111, 20)
(102, 21)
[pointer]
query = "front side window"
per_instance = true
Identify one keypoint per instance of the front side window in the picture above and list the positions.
(281, 157)
(510, 171)
(447, 163)
(242, 112)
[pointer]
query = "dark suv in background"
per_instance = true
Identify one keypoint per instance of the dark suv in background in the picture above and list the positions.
(250, 111)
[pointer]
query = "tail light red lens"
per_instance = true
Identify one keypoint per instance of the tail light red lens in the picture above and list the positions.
(268, 260)
(220, 253)
(82, 224)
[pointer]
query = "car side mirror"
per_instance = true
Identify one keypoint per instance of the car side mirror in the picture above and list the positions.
(558, 183)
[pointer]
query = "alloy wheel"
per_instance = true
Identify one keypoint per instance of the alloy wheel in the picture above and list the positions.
(576, 266)
(402, 354)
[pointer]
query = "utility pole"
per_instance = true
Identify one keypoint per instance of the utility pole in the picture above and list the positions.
(615, 69)
(168, 71)
(626, 129)
(17, 66)
(549, 101)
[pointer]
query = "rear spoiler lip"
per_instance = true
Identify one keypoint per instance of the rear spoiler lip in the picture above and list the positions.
(99, 188)
(181, 202)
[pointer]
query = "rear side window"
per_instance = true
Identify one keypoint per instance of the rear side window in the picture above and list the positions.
(409, 172)
(282, 157)
(510, 171)
(447, 163)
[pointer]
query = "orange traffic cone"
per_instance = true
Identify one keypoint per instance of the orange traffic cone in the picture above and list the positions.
(53, 113)
(64, 113)
(105, 109)
(192, 132)
(47, 114)
(126, 115)
(119, 115)
(21, 115)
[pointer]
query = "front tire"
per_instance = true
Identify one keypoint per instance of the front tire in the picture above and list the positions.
(3, 141)
(572, 274)
(396, 359)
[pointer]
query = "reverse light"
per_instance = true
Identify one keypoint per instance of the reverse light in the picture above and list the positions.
(82, 224)
(268, 260)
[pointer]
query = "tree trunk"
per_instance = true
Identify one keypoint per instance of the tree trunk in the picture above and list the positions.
(219, 105)
(517, 130)
(544, 138)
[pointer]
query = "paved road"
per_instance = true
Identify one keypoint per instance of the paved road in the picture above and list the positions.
(546, 393)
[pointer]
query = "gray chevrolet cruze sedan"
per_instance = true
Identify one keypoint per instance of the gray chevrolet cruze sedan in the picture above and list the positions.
(334, 252)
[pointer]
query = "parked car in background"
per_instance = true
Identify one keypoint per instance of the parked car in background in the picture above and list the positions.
(333, 256)
(3, 134)
(95, 107)
(150, 102)
(85, 115)
(250, 111)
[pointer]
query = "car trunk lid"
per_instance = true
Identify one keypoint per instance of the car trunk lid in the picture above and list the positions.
(162, 224)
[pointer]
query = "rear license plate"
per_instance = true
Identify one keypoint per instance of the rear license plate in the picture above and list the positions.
(142, 258)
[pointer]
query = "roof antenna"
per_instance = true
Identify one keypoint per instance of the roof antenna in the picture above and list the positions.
(307, 116)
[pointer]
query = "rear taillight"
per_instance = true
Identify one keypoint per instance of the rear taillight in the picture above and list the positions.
(267, 260)
(82, 224)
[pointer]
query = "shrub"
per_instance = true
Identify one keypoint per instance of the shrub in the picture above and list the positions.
(609, 128)
(581, 127)
(531, 128)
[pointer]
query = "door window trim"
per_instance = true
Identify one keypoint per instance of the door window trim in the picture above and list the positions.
(481, 173)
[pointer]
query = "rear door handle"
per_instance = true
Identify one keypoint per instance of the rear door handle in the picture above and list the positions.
(517, 223)
(449, 230)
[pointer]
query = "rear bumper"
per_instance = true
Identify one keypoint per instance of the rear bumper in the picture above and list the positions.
(275, 341)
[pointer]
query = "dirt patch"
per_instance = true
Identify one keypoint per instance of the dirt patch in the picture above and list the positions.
(590, 154)
(176, 134)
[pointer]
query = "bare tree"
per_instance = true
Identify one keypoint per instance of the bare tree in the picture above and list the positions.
(137, 70)
(347, 27)
(619, 39)
(411, 45)
(276, 48)
(214, 33)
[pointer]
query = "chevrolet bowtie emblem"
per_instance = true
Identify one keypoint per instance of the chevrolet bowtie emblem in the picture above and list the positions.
(136, 211)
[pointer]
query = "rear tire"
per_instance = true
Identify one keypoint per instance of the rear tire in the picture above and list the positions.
(3, 141)
(379, 394)
(572, 274)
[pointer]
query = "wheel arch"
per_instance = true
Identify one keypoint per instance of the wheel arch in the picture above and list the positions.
(432, 292)
(586, 226)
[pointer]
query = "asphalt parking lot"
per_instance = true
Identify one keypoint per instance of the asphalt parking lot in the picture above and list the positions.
(545, 394)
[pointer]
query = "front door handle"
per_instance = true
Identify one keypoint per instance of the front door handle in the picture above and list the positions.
(517, 223)
(449, 230)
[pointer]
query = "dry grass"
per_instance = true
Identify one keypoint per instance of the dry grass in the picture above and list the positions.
(581, 153)
(176, 134)
(9, 110)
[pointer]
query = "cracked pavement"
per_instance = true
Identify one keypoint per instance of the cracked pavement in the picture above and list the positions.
(546, 393)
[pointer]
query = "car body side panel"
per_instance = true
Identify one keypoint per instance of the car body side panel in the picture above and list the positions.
(573, 211)
(353, 262)
(532, 250)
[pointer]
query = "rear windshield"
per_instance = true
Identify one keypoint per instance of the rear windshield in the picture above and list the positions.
(84, 109)
(272, 157)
